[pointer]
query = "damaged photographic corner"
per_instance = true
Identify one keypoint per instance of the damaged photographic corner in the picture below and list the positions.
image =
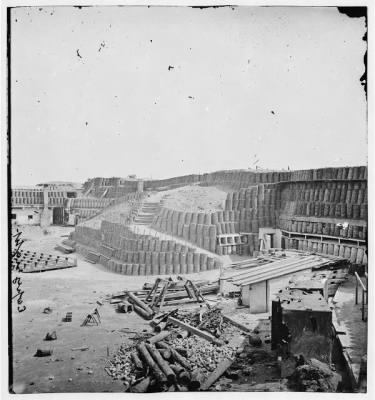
(187, 198)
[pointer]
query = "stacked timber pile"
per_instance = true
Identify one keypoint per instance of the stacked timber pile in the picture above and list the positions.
(166, 292)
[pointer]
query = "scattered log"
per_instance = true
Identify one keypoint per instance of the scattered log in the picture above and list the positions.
(134, 299)
(137, 361)
(143, 352)
(182, 334)
(166, 354)
(215, 375)
(196, 380)
(141, 387)
(176, 356)
(83, 348)
(195, 331)
(160, 336)
(164, 366)
(177, 369)
(141, 312)
(182, 375)
(160, 327)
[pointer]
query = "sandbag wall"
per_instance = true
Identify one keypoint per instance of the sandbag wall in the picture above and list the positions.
(327, 199)
(171, 182)
(356, 254)
(257, 207)
(198, 228)
(335, 209)
(125, 252)
(237, 179)
(26, 197)
(83, 202)
(352, 231)
(87, 236)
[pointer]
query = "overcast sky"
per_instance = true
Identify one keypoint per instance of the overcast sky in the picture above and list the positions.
(166, 91)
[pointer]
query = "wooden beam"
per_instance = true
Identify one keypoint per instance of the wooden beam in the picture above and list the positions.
(195, 331)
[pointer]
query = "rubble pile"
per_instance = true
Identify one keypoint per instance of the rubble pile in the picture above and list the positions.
(121, 365)
(314, 376)
(202, 355)
(189, 351)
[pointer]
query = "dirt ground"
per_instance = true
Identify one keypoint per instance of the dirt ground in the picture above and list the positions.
(75, 290)
(195, 199)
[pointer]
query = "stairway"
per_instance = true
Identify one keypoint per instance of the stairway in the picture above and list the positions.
(146, 213)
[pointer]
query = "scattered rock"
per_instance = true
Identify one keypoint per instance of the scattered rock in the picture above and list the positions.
(315, 376)
(233, 374)
(43, 353)
(248, 371)
(51, 378)
(51, 336)
(90, 372)
(70, 380)
(255, 341)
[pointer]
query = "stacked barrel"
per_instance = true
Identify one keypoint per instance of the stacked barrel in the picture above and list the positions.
(351, 231)
(83, 202)
(328, 199)
(26, 197)
(237, 179)
(87, 236)
(333, 204)
(198, 228)
(355, 254)
(257, 206)
(125, 252)
(171, 183)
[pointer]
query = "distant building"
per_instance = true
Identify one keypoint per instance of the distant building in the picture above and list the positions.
(43, 204)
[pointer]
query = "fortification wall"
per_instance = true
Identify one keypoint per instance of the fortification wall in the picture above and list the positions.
(122, 251)
(322, 210)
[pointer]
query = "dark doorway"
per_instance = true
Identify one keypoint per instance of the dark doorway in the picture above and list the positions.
(58, 216)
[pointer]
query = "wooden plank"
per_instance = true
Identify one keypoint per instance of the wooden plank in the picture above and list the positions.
(195, 331)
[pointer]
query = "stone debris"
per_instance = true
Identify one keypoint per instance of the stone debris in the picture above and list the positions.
(314, 376)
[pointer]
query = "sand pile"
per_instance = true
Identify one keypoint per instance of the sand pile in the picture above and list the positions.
(196, 199)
